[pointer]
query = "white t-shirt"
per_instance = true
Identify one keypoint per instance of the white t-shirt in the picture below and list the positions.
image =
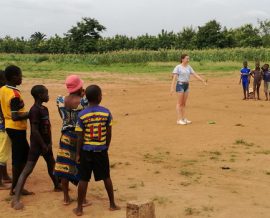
(183, 73)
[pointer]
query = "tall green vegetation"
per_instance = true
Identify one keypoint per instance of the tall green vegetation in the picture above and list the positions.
(86, 37)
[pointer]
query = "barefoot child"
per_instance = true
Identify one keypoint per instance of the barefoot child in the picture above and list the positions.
(257, 75)
(94, 129)
(15, 115)
(266, 78)
(5, 145)
(245, 78)
(69, 108)
(40, 140)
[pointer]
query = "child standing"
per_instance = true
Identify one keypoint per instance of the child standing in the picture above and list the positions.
(94, 129)
(69, 108)
(245, 78)
(266, 78)
(15, 116)
(40, 140)
(258, 76)
(5, 144)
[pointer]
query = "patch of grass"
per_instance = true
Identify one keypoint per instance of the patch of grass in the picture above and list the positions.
(189, 211)
(185, 184)
(159, 157)
(266, 152)
(243, 142)
(187, 173)
(133, 186)
(208, 209)
(161, 200)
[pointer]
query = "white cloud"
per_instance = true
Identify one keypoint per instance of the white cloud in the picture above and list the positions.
(131, 17)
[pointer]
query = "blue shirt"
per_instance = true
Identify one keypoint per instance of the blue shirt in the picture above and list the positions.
(245, 72)
(266, 76)
(93, 122)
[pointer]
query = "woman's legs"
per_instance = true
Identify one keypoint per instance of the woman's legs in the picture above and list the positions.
(180, 107)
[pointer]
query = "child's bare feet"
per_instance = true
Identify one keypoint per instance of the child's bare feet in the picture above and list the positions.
(114, 207)
(86, 203)
(78, 212)
(17, 205)
(68, 201)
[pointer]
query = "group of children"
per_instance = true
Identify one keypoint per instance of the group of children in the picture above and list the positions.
(84, 143)
(259, 74)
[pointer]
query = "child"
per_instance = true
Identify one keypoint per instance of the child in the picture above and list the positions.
(5, 145)
(94, 130)
(15, 116)
(41, 142)
(266, 78)
(69, 108)
(257, 75)
(245, 78)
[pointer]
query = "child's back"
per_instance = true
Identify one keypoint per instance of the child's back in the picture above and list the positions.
(94, 120)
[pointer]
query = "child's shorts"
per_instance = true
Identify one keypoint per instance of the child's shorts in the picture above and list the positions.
(245, 84)
(96, 162)
(266, 87)
(19, 146)
(5, 148)
(182, 87)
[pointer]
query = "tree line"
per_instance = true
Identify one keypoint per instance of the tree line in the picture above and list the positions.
(86, 37)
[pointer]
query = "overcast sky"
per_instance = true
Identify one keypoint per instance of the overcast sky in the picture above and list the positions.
(129, 17)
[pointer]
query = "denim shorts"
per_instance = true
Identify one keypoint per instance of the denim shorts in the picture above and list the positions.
(182, 87)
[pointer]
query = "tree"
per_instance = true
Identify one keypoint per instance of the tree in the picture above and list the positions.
(186, 39)
(210, 35)
(248, 36)
(264, 28)
(84, 36)
(38, 36)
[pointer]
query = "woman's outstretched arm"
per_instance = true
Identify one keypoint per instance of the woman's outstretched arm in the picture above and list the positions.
(198, 77)
(173, 83)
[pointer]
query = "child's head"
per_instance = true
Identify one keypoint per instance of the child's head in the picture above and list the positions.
(93, 94)
(2, 78)
(265, 67)
(74, 85)
(245, 64)
(257, 65)
(40, 92)
(13, 75)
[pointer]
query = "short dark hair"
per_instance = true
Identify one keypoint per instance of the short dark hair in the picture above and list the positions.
(183, 56)
(2, 78)
(12, 71)
(93, 94)
(37, 90)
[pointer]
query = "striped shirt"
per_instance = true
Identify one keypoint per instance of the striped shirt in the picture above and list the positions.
(93, 121)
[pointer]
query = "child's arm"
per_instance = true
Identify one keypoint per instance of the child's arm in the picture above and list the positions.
(15, 114)
(79, 145)
(38, 138)
(108, 136)
(240, 79)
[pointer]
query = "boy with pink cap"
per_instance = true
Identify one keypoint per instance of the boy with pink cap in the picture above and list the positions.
(69, 108)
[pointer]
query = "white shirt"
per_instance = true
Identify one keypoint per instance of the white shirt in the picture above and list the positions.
(183, 73)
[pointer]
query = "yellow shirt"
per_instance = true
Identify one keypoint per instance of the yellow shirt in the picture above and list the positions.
(11, 101)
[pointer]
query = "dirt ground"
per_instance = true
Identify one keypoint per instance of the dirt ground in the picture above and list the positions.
(179, 167)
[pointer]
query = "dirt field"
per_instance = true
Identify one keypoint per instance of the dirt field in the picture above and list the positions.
(179, 167)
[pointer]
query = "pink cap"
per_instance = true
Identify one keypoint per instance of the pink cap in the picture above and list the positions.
(73, 83)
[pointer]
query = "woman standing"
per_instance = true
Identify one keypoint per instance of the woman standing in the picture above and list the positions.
(181, 78)
(69, 108)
